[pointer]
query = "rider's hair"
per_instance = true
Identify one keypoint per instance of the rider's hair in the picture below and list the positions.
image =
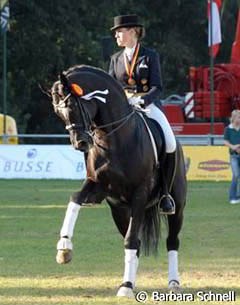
(140, 32)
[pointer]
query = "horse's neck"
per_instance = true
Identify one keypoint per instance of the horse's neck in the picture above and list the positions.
(116, 114)
(114, 109)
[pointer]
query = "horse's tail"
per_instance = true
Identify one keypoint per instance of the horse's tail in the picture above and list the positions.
(151, 230)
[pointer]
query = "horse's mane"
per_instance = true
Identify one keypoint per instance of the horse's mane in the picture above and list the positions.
(97, 71)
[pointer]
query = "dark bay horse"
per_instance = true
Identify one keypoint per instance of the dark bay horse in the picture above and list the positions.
(121, 168)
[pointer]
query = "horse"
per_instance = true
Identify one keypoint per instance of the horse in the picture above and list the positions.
(121, 169)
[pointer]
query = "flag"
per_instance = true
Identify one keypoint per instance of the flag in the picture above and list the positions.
(5, 14)
(216, 26)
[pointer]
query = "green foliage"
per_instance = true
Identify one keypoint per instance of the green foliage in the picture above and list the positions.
(49, 36)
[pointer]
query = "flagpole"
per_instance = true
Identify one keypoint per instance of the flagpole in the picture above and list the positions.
(211, 74)
(4, 87)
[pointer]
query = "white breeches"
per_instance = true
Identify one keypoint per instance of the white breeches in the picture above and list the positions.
(156, 114)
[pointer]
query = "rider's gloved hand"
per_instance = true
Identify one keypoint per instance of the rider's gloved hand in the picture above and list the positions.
(136, 101)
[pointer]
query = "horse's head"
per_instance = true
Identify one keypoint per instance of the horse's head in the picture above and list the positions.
(86, 98)
(69, 104)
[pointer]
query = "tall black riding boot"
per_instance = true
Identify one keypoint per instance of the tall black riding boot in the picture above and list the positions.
(167, 203)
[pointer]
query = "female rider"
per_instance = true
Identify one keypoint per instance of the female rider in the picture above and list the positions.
(137, 68)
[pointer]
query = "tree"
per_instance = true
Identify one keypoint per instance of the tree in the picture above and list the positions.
(47, 37)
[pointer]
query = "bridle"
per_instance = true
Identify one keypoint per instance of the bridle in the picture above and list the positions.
(88, 125)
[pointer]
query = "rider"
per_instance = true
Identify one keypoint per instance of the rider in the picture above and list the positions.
(138, 70)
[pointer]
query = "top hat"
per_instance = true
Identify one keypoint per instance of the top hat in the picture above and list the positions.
(126, 21)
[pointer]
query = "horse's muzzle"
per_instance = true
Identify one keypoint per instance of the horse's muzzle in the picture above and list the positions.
(83, 143)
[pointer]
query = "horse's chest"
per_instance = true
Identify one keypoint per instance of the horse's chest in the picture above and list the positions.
(104, 171)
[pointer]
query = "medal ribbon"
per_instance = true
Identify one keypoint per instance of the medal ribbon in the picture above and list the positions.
(130, 67)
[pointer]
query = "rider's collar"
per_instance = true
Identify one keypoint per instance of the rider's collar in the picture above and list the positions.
(129, 52)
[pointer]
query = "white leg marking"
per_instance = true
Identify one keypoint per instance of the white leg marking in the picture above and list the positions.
(70, 219)
(173, 266)
(131, 265)
(130, 271)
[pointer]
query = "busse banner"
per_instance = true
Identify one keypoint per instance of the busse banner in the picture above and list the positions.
(207, 163)
(41, 162)
(63, 162)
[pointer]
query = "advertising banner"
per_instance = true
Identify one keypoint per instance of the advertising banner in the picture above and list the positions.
(63, 162)
(207, 163)
(41, 162)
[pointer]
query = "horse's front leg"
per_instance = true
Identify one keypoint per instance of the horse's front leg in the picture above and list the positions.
(132, 244)
(90, 193)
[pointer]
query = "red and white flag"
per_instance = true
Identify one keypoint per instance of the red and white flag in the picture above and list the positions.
(216, 25)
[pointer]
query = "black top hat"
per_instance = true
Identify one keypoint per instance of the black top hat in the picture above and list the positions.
(125, 21)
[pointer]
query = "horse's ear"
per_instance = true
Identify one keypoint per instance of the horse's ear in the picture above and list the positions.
(63, 79)
(44, 90)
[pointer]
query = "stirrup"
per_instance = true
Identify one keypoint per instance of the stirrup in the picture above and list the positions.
(172, 203)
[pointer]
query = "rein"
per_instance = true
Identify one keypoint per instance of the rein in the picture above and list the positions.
(87, 121)
(124, 120)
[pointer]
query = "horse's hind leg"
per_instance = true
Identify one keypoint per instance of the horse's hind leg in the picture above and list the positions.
(175, 224)
(178, 192)
(89, 193)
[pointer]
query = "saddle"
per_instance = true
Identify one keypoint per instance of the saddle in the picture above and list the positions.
(164, 167)
(160, 192)
(154, 129)
(156, 135)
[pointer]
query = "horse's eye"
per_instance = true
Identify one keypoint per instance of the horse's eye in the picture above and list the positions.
(73, 104)
(69, 104)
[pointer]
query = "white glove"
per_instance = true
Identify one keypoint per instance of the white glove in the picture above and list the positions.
(136, 101)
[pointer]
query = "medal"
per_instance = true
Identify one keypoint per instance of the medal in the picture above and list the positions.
(130, 67)
(145, 88)
(144, 81)
(131, 82)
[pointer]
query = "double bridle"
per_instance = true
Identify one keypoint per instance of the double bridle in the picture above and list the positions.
(88, 125)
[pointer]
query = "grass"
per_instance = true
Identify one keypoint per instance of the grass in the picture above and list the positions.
(31, 214)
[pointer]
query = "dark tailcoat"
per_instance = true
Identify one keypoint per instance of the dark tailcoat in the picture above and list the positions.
(147, 68)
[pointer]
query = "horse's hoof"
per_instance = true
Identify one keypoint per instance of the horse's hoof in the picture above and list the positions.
(64, 247)
(64, 256)
(125, 292)
(174, 286)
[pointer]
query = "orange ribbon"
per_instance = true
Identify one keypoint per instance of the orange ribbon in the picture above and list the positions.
(130, 67)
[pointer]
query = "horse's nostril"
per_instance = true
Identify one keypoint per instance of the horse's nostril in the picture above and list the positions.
(81, 145)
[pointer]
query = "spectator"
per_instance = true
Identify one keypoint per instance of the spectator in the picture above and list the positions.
(232, 140)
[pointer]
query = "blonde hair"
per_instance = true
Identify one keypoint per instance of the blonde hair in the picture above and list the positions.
(140, 32)
(234, 114)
